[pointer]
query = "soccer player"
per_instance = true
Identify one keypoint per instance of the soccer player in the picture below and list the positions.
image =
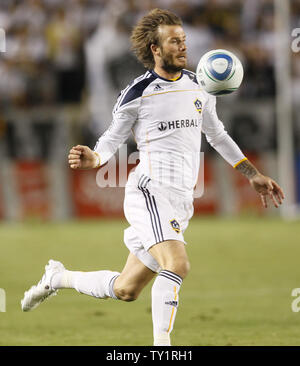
(167, 111)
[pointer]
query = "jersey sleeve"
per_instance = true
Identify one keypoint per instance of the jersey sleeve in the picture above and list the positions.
(124, 117)
(218, 137)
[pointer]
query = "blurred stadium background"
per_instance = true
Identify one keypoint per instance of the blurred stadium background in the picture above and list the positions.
(64, 65)
(61, 73)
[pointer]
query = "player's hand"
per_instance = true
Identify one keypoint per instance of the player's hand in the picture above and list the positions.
(82, 157)
(267, 187)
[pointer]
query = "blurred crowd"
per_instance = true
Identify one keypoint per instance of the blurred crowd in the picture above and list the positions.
(73, 51)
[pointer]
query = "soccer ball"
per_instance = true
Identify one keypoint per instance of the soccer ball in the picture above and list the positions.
(219, 72)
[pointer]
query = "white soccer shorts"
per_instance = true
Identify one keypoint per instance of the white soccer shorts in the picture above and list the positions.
(155, 214)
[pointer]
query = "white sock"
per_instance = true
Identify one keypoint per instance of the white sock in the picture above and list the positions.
(97, 284)
(165, 300)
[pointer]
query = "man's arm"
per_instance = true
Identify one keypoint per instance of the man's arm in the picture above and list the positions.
(265, 186)
(124, 116)
(82, 157)
(247, 169)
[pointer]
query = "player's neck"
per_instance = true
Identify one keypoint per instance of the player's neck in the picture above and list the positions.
(167, 75)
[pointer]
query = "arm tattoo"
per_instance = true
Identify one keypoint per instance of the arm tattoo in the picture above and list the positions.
(247, 169)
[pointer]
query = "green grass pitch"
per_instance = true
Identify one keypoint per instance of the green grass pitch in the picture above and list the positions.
(238, 292)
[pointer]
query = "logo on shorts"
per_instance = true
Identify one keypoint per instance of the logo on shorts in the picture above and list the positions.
(172, 303)
(198, 105)
(175, 225)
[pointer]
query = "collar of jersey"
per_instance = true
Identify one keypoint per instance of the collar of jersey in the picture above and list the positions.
(170, 80)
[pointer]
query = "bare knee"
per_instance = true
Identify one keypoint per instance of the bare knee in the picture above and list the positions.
(126, 293)
(171, 256)
(181, 268)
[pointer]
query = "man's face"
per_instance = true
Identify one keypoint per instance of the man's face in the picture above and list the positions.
(172, 48)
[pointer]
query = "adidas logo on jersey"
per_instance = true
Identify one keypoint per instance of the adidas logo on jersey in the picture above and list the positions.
(158, 88)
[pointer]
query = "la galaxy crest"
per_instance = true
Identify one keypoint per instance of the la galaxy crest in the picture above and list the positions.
(175, 225)
(198, 105)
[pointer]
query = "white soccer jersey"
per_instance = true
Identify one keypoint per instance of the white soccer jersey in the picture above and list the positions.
(167, 118)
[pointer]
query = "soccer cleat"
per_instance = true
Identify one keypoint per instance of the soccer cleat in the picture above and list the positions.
(43, 290)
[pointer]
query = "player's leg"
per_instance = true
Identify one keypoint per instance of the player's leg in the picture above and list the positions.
(156, 214)
(133, 278)
(102, 284)
(171, 255)
(172, 258)
(99, 284)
